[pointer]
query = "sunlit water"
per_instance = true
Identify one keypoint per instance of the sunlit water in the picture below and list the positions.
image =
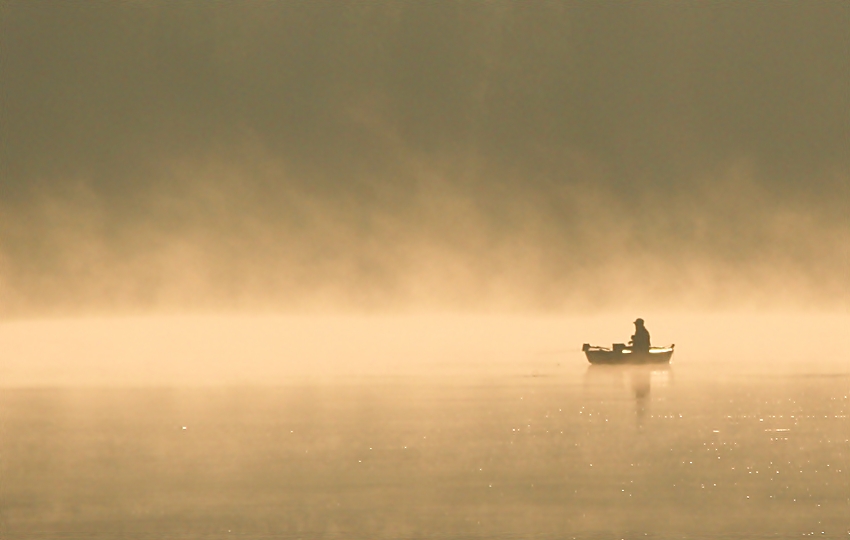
(560, 450)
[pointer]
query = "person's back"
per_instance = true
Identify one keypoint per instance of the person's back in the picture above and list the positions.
(640, 341)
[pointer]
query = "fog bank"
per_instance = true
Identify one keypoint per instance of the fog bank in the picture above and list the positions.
(503, 156)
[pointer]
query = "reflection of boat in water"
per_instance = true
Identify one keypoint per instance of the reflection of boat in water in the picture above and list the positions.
(605, 381)
(620, 354)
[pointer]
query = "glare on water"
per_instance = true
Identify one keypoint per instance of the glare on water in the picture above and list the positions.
(538, 444)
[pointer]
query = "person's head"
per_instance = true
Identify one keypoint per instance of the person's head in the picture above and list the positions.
(638, 322)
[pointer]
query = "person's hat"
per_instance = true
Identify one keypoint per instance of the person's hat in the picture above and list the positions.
(638, 321)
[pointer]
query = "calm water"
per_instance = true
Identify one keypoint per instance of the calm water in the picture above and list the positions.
(556, 453)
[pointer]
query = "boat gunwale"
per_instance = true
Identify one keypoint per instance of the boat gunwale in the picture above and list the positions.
(604, 355)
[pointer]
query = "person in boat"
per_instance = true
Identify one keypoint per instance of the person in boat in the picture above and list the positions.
(640, 341)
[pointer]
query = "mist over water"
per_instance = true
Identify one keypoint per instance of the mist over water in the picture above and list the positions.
(500, 156)
(324, 270)
(273, 350)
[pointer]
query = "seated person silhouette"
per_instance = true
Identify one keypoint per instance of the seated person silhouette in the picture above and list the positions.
(640, 341)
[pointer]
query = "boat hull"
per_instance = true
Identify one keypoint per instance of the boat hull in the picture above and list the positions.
(662, 356)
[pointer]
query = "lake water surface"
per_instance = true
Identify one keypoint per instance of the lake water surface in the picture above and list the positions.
(552, 449)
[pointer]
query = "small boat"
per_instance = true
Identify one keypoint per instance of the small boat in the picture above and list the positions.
(620, 354)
